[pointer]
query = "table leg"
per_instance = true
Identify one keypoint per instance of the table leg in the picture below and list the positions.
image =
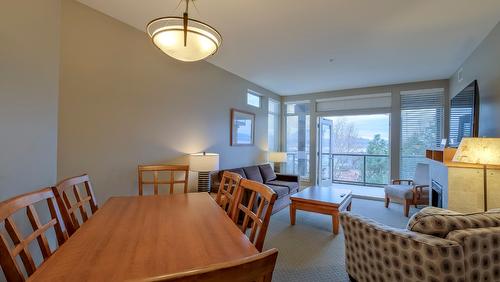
(349, 207)
(335, 223)
(292, 213)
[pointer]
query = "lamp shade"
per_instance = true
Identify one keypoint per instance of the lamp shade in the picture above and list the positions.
(204, 162)
(194, 43)
(277, 157)
(484, 151)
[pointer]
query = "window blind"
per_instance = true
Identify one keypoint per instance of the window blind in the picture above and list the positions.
(422, 115)
(355, 102)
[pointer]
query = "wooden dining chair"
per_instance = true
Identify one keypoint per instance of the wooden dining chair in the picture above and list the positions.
(258, 267)
(77, 202)
(257, 211)
(171, 170)
(21, 245)
(227, 191)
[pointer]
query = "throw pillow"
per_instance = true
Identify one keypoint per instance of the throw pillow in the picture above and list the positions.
(267, 172)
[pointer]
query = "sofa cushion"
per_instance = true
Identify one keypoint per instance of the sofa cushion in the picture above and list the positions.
(280, 190)
(253, 173)
(267, 172)
(439, 222)
(238, 171)
(292, 186)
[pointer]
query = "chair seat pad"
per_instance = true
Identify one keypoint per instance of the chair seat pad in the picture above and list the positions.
(401, 191)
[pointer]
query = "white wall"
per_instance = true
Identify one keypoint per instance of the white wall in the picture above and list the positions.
(124, 103)
(29, 85)
(484, 65)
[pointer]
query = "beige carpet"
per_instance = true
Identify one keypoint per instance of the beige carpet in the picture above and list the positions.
(309, 251)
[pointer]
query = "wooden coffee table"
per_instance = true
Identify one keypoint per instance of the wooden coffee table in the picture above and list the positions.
(324, 200)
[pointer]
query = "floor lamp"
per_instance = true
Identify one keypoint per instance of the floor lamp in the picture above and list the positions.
(203, 163)
(479, 151)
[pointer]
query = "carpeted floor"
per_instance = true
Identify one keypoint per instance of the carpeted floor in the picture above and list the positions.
(309, 251)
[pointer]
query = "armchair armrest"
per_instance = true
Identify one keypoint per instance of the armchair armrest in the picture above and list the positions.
(399, 181)
(421, 188)
(287, 177)
(481, 250)
(374, 250)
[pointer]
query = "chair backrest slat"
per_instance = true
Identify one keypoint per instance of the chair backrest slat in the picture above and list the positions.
(258, 267)
(40, 231)
(227, 191)
(68, 208)
(156, 182)
(253, 211)
(8, 256)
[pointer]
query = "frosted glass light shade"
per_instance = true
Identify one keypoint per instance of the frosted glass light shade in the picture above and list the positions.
(485, 151)
(277, 157)
(203, 162)
(168, 35)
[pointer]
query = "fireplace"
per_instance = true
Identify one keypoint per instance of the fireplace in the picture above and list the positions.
(436, 194)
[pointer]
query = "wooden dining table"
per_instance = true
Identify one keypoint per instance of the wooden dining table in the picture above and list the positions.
(131, 238)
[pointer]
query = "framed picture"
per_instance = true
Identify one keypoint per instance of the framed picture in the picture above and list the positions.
(242, 128)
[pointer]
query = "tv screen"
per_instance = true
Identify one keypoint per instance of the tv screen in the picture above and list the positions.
(464, 114)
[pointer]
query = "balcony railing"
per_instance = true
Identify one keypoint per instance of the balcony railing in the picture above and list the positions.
(360, 169)
(298, 164)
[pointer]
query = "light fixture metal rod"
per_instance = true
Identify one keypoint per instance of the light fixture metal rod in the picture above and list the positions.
(185, 18)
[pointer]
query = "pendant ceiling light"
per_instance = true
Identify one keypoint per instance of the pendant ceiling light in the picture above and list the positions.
(183, 38)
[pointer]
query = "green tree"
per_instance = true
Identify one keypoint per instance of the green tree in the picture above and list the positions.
(377, 167)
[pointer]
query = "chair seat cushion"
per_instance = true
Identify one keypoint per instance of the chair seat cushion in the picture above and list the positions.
(292, 186)
(439, 222)
(280, 190)
(401, 191)
(253, 173)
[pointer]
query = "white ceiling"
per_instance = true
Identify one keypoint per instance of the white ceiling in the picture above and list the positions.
(286, 45)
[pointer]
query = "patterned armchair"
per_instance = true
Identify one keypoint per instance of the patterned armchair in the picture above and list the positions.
(438, 245)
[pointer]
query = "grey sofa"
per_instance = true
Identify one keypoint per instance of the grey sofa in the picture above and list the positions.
(437, 245)
(283, 184)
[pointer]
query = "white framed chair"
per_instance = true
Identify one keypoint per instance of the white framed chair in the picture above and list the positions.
(410, 191)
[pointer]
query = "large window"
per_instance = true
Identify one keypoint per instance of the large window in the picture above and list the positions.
(421, 126)
(273, 126)
(297, 139)
(360, 149)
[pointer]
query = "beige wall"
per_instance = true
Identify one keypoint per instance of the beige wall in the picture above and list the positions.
(29, 85)
(124, 103)
(484, 65)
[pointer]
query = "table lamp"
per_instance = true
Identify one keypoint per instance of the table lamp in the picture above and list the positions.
(277, 158)
(203, 163)
(481, 151)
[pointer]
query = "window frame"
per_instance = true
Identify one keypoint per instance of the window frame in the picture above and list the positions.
(277, 119)
(307, 137)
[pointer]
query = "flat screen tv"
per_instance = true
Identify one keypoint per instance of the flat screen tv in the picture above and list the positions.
(464, 114)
